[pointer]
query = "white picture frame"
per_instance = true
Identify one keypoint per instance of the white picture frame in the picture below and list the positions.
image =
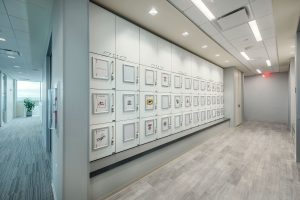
(128, 132)
(100, 69)
(101, 103)
(128, 73)
(128, 102)
(100, 138)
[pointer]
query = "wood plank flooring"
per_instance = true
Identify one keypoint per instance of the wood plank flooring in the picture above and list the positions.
(252, 162)
(24, 164)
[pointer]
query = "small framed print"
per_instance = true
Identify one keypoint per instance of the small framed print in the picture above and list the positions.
(128, 74)
(208, 87)
(203, 115)
(100, 103)
(203, 100)
(165, 124)
(177, 81)
(177, 101)
(196, 100)
(218, 99)
(196, 117)
(128, 102)
(100, 138)
(188, 83)
(213, 100)
(218, 112)
(100, 69)
(213, 113)
(213, 87)
(149, 77)
(128, 132)
(165, 79)
(187, 101)
(218, 88)
(149, 127)
(196, 84)
(177, 121)
(165, 99)
(149, 102)
(208, 100)
(209, 114)
(187, 119)
(203, 85)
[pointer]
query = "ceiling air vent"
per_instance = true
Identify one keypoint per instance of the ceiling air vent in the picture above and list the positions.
(233, 19)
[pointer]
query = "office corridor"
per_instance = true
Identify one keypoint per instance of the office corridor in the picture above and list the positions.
(252, 162)
(24, 164)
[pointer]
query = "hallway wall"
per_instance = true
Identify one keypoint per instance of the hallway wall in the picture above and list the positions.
(10, 98)
(266, 99)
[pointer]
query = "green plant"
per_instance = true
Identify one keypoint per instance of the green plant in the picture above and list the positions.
(29, 104)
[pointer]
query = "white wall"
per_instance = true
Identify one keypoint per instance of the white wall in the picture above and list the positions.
(266, 99)
(292, 99)
(10, 98)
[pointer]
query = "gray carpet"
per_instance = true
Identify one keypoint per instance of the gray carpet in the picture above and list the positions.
(25, 170)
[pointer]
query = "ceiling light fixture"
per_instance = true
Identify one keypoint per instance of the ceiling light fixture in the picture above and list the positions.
(245, 55)
(184, 34)
(202, 7)
(11, 57)
(268, 63)
(153, 12)
(16, 66)
(217, 55)
(227, 61)
(258, 71)
(204, 46)
(2, 39)
(255, 30)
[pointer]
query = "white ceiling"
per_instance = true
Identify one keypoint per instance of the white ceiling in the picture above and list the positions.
(273, 18)
(25, 25)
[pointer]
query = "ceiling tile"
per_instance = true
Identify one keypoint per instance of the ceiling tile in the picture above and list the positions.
(238, 32)
(17, 8)
(2, 8)
(221, 7)
(195, 15)
(23, 36)
(182, 4)
(209, 29)
(4, 21)
(265, 22)
(7, 33)
(262, 8)
(19, 24)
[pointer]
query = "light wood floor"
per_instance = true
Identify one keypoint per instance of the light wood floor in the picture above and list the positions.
(25, 170)
(252, 162)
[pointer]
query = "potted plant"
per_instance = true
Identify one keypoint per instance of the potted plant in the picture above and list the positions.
(29, 105)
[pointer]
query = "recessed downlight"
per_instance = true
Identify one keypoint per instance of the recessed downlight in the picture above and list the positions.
(245, 55)
(184, 34)
(227, 61)
(153, 12)
(11, 57)
(258, 71)
(268, 63)
(204, 46)
(217, 55)
(2, 39)
(16, 66)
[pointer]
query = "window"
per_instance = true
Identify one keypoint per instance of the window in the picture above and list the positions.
(27, 89)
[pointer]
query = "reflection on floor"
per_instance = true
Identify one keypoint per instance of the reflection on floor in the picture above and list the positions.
(254, 161)
(24, 164)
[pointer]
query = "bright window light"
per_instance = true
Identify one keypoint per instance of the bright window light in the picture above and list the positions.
(153, 12)
(268, 63)
(245, 55)
(202, 7)
(258, 71)
(255, 30)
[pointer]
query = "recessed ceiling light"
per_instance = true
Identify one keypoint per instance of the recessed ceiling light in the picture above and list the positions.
(258, 71)
(255, 30)
(16, 66)
(227, 61)
(245, 55)
(202, 7)
(11, 57)
(217, 55)
(184, 34)
(2, 39)
(268, 63)
(204, 46)
(153, 12)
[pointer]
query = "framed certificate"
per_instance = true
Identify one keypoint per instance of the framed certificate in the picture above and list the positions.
(187, 83)
(196, 84)
(149, 127)
(177, 101)
(128, 102)
(187, 101)
(100, 138)
(100, 69)
(165, 124)
(100, 103)
(128, 74)
(128, 132)
(149, 102)
(177, 81)
(165, 101)
(165, 80)
(149, 77)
